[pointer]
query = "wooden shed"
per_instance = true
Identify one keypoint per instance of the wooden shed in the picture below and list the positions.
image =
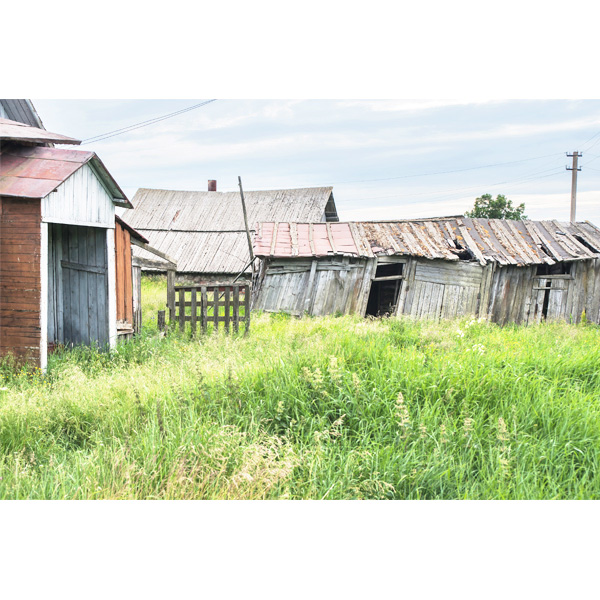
(507, 271)
(205, 233)
(57, 244)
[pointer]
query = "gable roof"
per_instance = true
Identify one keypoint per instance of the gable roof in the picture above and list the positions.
(205, 232)
(485, 240)
(35, 172)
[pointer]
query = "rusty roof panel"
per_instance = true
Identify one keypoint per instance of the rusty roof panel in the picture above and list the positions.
(505, 242)
(34, 172)
(14, 131)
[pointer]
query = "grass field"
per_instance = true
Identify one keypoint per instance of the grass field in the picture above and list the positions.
(334, 408)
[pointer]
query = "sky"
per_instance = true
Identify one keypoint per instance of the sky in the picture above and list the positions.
(386, 159)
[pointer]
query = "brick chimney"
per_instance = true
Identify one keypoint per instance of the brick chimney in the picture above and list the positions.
(212, 185)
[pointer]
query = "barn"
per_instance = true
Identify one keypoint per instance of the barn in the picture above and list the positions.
(507, 271)
(204, 232)
(57, 244)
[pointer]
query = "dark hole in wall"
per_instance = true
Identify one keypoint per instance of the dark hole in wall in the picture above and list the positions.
(561, 268)
(383, 296)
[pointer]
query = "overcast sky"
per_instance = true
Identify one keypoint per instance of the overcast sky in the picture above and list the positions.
(386, 159)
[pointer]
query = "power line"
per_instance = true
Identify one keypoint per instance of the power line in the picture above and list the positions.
(445, 172)
(481, 186)
(109, 134)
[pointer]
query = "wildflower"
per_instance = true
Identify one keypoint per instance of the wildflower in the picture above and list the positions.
(467, 426)
(502, 430)
(423, 430)
(355, 381)
(402, 413)
(335, 372)
(460, 333)
(443, 432)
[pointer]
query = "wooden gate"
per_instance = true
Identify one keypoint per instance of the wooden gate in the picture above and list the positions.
(208, 305)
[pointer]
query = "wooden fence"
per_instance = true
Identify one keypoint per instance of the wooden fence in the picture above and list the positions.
(204, 305)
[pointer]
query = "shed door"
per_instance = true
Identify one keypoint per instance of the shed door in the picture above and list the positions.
(78, 286)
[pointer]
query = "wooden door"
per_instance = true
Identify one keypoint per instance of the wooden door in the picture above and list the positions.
(78, 286)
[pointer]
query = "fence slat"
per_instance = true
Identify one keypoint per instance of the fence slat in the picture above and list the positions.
(194, 311)
(216, 307)
(204, 308)
(181, 310)
(236, 308)
(227, 308)
(246, 309)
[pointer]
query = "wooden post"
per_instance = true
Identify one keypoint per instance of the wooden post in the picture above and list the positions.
(247, 309)
(203, 308)
(236, 308)
(171, 295)
(246, 225)
(194, 310)
(161, 320)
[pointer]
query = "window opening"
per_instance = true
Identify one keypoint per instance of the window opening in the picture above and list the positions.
(385, 289)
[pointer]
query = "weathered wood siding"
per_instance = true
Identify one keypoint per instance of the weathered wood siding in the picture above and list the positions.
(518, 294)
(320, 287)
(123, 275)
(80, 200)
(137, 298)
(441, 289)
(77, 285)
(20, 278)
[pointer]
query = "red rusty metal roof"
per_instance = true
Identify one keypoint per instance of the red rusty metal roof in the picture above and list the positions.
(458, 238)
(35, 172)
(13, 131)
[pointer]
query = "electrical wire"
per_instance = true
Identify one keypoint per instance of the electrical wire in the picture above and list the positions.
(109, 134)
(445, 172)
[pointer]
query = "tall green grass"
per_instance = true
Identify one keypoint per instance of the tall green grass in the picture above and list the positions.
(334, 408)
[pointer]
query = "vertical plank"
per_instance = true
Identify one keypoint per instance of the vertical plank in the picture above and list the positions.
(247, 309)
(181, 309)
(203, 308)
(92, 291)
(236, 308)
(128, 284)
(194, 309)
(227, 308)
(171, 295)
(137, 298)
(216, 307)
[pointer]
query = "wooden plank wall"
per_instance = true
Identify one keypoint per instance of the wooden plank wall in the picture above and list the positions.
(20, 281)
(123, 274)
(295, 285)
(442, 289)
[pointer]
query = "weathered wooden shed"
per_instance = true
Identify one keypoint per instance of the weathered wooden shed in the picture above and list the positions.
(204, 232)
(57, 244)
(507, 271)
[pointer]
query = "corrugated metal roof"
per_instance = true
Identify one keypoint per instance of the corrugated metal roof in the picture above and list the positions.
(485, 240)
(22, 111)
(13, 131)
(35, 172)
(204, 231)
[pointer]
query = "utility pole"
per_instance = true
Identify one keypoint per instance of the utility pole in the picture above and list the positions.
(574, 168)
(246, 225)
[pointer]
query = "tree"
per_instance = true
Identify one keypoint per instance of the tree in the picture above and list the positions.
(500, 208)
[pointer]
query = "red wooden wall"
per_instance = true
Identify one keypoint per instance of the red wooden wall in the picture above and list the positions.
(123, 274)
(20, 281)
